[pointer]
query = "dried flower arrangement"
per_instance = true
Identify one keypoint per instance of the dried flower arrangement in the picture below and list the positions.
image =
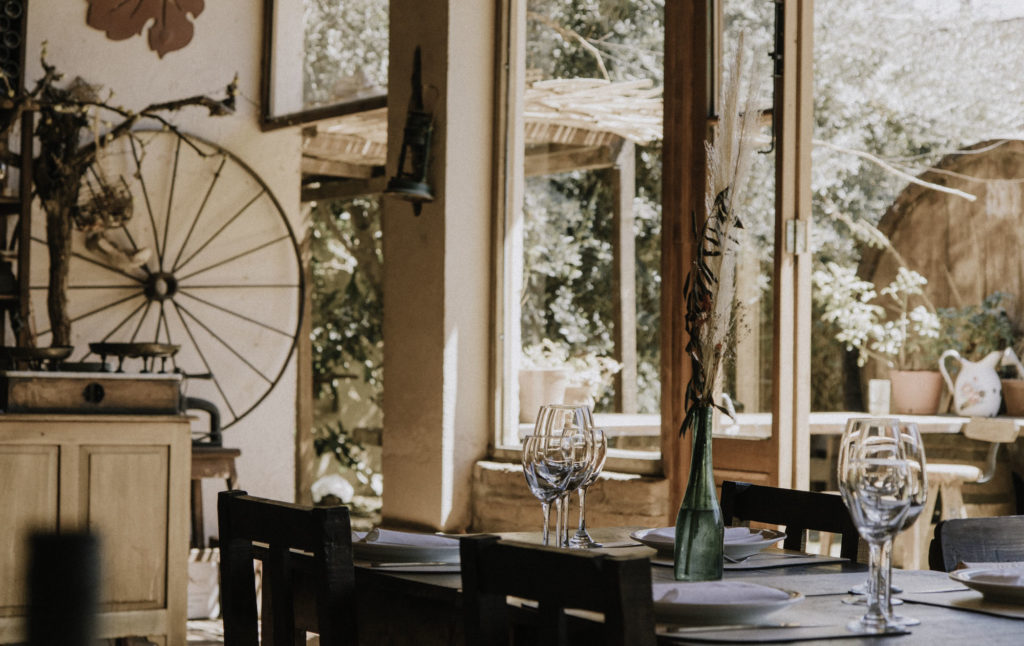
(712, 321)
(65, 164)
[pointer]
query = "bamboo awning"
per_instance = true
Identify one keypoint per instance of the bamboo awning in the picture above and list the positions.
(564, 112)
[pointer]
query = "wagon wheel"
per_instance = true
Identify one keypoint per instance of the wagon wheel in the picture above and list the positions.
(207, 261)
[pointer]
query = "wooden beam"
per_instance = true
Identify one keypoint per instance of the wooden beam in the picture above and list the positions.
(623, 176)
(559, 158)
(688, 92)
(333, 168)
(339, 189)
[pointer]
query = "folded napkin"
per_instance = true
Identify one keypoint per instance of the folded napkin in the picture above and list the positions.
(379, 536)
(733, 535)
(667, 533)
(717, 592)
(738, 535)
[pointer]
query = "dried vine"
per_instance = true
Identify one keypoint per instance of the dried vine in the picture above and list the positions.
(66, 118)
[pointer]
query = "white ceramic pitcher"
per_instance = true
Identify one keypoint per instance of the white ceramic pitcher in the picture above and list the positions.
(977, 391)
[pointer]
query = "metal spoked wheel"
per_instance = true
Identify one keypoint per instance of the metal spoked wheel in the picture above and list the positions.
(208, 261)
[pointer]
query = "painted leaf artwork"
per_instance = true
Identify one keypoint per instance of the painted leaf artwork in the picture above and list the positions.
(170, 27)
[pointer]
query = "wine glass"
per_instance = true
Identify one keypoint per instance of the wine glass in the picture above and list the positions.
(913, 446)
(582, 538)
(913, 452)
(580, 448)
(874, 480)
(546, 470)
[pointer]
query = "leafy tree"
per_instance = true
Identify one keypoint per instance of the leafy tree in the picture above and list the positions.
(346, 48)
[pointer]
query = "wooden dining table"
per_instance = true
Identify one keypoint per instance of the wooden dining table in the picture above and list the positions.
(399, 608)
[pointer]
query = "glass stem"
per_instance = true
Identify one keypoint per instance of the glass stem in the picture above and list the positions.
(582, 493)
(878, 592)
(559, 528)
(886, 583)
(546, 508)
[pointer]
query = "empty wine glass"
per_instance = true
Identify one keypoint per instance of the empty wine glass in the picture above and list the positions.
(913, 452)
(913, 447)
(547, 469)
(579, 447)
(582, 538)
(875, 483)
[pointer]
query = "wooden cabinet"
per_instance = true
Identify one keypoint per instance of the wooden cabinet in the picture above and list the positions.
(124, 478)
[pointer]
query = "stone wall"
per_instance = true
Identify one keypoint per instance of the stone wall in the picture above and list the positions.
(501, 501)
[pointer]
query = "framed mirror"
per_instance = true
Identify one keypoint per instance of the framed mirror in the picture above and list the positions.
(320, 62)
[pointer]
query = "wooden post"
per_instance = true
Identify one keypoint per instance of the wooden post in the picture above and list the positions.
(688, 91)
(623, 176)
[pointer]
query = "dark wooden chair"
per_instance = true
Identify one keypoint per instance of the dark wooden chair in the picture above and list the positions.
(976, 540)
(799, 511)
(618, 587)
(325, 572)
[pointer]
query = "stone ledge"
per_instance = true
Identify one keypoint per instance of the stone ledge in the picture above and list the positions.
(501, 501)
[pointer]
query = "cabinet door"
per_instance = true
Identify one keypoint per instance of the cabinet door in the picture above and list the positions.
(124, 500)
(28, 502)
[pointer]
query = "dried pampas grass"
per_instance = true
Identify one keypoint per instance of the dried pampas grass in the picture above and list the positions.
(711, 314)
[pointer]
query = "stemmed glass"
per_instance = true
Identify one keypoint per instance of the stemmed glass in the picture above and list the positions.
(913, 447)
(566, 420)
(874, 479)
(580, 445)
(582, 538)
(547, 470)
(913, 452)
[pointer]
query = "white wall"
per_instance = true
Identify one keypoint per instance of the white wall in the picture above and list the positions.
(226, 41)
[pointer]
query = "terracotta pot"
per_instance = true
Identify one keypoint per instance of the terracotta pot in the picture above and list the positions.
(1013, 397)
(538, 387)
(915, 392)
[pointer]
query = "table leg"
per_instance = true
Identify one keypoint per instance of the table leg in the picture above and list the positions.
(198, 533)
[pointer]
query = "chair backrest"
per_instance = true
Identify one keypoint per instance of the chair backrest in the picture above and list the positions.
(323, 533)
(619, 587)
(976, 540)
(799, 511)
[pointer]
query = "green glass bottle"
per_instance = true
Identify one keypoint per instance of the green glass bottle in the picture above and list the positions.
(699, 527)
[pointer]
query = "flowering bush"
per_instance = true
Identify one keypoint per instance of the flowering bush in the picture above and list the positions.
(880, 325)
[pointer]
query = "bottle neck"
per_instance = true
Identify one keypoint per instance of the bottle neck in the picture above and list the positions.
(701, 483)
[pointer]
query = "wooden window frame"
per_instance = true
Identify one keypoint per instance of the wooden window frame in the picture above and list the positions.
(692, 52)
(269, 120)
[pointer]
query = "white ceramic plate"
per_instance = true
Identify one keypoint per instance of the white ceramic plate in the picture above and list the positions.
(1005, 585)
(718, 602)
(412, 567)
(740, 542)
(401, 547)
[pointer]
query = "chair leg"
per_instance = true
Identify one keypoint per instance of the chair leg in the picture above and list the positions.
(952, 501)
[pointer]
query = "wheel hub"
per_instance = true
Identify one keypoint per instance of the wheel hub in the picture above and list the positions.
(161, 286)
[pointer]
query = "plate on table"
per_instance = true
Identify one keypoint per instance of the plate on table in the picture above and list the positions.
(1002, 584)
(389, 546)
(739, 543)
(709, 603)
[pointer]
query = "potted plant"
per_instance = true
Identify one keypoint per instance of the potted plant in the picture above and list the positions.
(979, 331)
(884, 326)
(549, 375)
(589, 375)
(543, 374)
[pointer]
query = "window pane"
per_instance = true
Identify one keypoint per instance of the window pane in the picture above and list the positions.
(926, 90)
(347, 343)
(748, 373)
(587, 289)
(346, 51)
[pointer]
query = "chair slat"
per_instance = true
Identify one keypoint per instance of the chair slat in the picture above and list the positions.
(799, 511)
(323, 533)
(618, 587)
(997, 539)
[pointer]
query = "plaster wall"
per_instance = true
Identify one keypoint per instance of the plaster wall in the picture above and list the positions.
(227, 41)
(437, 404)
